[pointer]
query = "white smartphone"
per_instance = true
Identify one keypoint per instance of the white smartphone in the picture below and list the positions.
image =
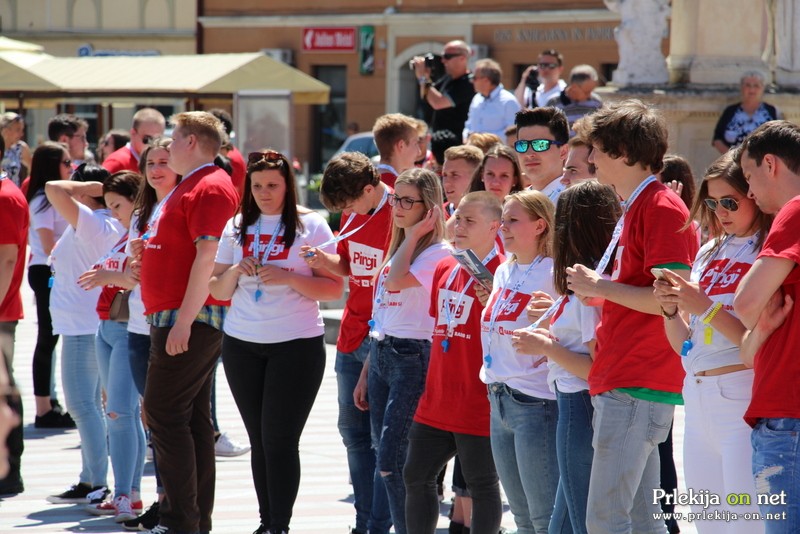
(660, 274)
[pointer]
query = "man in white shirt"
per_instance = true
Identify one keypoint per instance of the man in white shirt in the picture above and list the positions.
(493, 107)
(549, 67)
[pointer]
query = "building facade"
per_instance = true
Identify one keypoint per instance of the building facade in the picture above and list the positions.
(361, 48)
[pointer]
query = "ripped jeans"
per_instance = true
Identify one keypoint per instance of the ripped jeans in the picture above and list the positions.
(397, 370)
(775, 469)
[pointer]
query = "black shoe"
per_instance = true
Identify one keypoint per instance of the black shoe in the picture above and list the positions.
(261, 530)
(80, 494)
(53, 419)
(11, 486)
(146, 521)
(56, 406)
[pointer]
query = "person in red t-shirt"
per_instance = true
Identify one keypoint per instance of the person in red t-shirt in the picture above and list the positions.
(636, 379)
(453, 412)
(14, 219)
(396, 138)
(177, 257)
(148, 124)
(766, 303)
(351, 184)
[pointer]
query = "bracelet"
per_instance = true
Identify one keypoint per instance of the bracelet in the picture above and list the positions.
(668, 316)
(423, 80)
(711, 312)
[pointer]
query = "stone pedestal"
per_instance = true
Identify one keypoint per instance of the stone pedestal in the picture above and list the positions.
(642, 27)
(715, 42)
(787, 42)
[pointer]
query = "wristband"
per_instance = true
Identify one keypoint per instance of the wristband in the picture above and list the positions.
(711, 312)
(422, 80)
(668, 316)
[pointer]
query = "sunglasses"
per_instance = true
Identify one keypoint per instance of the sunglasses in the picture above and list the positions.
(548, 65)
(267, 155)
(404, 202)
(67, 163)
(727, 203)
(450, 56)
(537, 145)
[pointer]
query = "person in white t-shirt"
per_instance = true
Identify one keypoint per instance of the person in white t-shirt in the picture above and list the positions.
(523, 410)
(702, 327)
(50, 162)
(91, 234)
(126, 443)
(584, 222)
(273, 347)
(547, 73)
(401, 327)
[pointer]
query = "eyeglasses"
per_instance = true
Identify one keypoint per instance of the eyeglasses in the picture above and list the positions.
(266, 155)
(538, 145)
(727, 203)
(404, 202)
(451, 56)
(548, 65)
(67, 163)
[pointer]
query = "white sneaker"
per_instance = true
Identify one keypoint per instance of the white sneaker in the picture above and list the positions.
(225, 446)
(123, 509)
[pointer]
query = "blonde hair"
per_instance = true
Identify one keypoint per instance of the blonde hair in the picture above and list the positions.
(484, 141)
(206, 127)
(430, 190)
(537, 206)
(489, 203)
(469, 153)
(391, 128)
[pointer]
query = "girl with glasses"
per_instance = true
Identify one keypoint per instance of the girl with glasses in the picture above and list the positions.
(401, 327)
(47, 227)
(702, 328)
(273, 348)
(523, 410)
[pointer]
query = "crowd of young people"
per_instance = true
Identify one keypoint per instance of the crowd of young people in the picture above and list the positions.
(554, 376)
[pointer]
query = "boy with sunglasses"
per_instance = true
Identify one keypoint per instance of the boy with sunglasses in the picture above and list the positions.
(352, 185)
(541, 146)
(636, 380)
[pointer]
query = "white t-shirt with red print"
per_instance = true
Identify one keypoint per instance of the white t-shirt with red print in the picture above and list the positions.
(280, 313)
(506, 365)
(710, 349)
(405, 313)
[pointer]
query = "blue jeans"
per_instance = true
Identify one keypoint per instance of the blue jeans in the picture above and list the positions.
(369, 498)
(625, 467)
(126, 441)
(523, 433)
(80, 379)
(139, 356)
(397, 370)
(775, 468)
(574, 451)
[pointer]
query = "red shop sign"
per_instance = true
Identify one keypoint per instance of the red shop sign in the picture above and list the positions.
(329, 39)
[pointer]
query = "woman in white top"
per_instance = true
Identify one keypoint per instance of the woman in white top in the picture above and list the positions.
(523, 409)
(702, 328)
(273, 348)
(91, 234)
(401, 327)
(50, 162)
(585, 218)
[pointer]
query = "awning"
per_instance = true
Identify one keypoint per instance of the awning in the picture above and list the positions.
(182, 76)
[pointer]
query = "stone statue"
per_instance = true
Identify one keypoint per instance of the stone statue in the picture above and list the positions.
(639, 36)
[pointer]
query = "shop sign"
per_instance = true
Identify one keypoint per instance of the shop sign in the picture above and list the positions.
(328, 39)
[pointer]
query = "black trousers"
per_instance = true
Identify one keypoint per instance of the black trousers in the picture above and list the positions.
(39, 279)
(274, 386)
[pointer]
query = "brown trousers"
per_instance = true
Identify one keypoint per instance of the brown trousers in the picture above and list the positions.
(177, 401)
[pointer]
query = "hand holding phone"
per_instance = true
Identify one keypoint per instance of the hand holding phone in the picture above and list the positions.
(661, 274)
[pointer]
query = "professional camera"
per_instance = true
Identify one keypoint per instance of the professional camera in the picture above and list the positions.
(532, 80)
(433, 62)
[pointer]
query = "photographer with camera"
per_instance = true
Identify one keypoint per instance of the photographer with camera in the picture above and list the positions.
(542, 81)
(450, 96)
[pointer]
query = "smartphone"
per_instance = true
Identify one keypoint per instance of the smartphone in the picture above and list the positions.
(660, 274)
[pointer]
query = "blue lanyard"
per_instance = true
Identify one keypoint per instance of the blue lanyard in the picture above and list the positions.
(501, 303)
(262, 260)
(451, 321)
